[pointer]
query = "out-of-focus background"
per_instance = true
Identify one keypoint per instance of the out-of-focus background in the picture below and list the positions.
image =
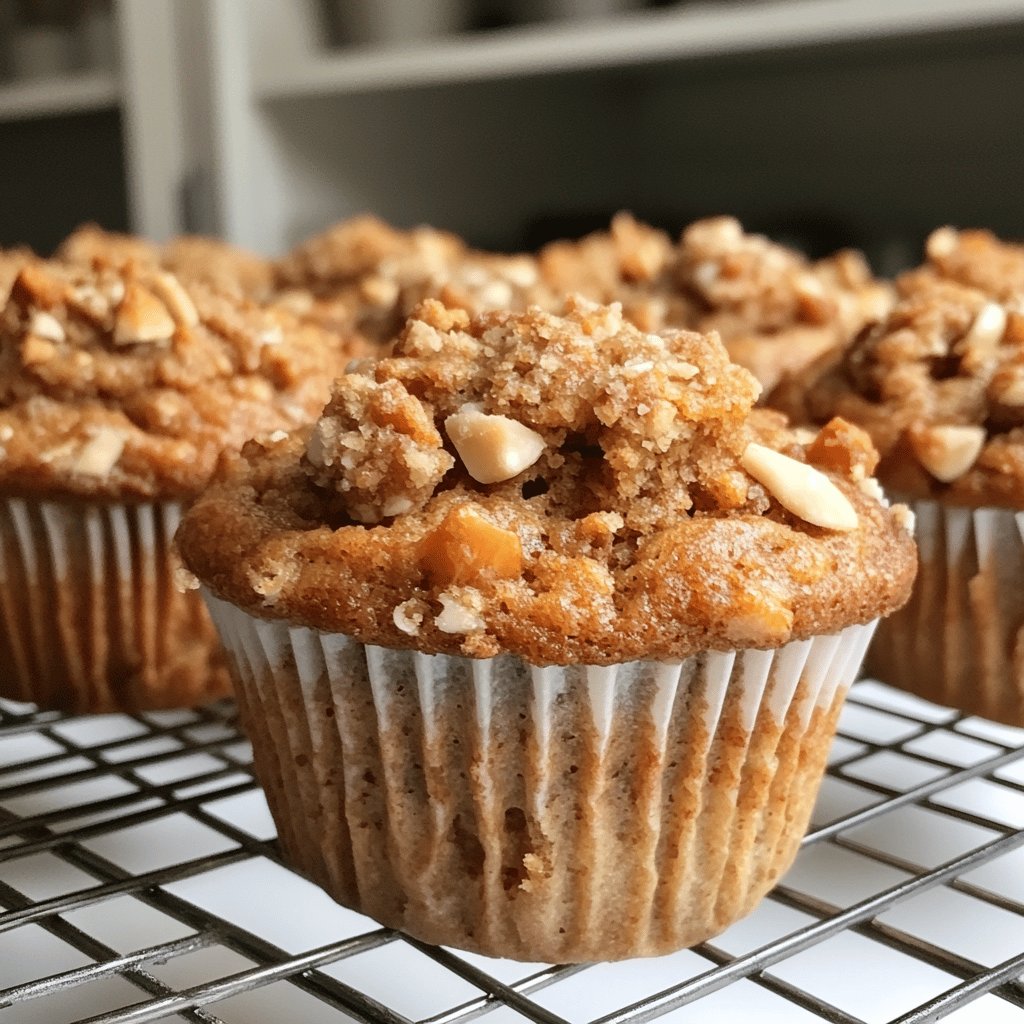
(823, 122)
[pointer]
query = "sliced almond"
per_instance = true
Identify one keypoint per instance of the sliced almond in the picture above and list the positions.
(984, 334)
(176, 299)
(493, 448)
(45, 325)
(802, 489)
(947, 452)
(98, 456)
(142, 318)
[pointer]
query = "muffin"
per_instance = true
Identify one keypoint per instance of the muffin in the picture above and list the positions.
(939, 386)
(541, 631)
(120, 387)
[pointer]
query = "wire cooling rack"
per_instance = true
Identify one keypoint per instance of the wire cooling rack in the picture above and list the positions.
(139, 881)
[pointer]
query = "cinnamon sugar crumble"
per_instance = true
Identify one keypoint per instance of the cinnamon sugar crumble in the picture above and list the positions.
(939, 384)
(633, 528)
(122, 380)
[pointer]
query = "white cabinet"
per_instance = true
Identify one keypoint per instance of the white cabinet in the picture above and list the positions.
(240, 117)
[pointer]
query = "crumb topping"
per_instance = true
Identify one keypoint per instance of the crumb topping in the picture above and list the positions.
(565, 487)
(125, 381)
(939, 384)
(775, 309)
(193, 259)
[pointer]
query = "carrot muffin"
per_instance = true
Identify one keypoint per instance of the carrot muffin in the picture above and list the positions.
(541, 631)
(120, 387)
(939, 386)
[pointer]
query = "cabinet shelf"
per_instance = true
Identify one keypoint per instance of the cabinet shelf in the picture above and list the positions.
(691, 31)
(53, 97)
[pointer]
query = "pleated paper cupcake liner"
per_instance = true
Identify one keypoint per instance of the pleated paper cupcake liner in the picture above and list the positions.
(552, 814)
(960, 639)
(90, 617)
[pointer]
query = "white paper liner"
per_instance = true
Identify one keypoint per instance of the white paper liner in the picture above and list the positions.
(549, 814)
(959, 641)
(90, 618)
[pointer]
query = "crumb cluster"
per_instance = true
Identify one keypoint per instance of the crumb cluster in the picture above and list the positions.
(124, 380)
(939, 384)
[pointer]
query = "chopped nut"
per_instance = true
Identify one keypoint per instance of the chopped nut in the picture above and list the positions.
(802, 489)
(98, 456)
(45, 325)
(460, 611)
(941, 243)
(947, 452)
(987, 329)
(492, 448)
(466, 546)
(873, 489)
(379, 291)
(176, 299)
(408, 616)
(141, 318)
(904, 516)
(184, 580)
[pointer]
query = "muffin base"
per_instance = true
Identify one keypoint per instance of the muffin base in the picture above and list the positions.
(553, 814)
(959, 641)
(90, 617)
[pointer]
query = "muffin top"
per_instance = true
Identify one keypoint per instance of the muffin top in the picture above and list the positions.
(122, 381)
(631, 263)
(367, 276)
(776, 310)
(975, 259)
(939, 385)
(566, 488)
(193, 259)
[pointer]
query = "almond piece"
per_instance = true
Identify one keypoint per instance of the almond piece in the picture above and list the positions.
(800, 488)
(45, 325)
(175, 298)
(492, 448)
(141, 318)
(942, 242)
(947, 452)
(98, 456)
(466, 546)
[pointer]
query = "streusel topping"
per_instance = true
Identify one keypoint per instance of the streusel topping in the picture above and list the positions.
(776, 310)
(125, 381)
(194, 259)
(567, 488)
(939, 385)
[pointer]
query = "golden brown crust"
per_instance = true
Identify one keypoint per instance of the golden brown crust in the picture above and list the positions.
(124, 382)
(939, 385)
(634, 532)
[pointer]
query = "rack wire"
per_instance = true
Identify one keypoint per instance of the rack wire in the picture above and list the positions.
(140, 881)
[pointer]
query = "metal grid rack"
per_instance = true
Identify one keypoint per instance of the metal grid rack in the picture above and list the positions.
(139, 881)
